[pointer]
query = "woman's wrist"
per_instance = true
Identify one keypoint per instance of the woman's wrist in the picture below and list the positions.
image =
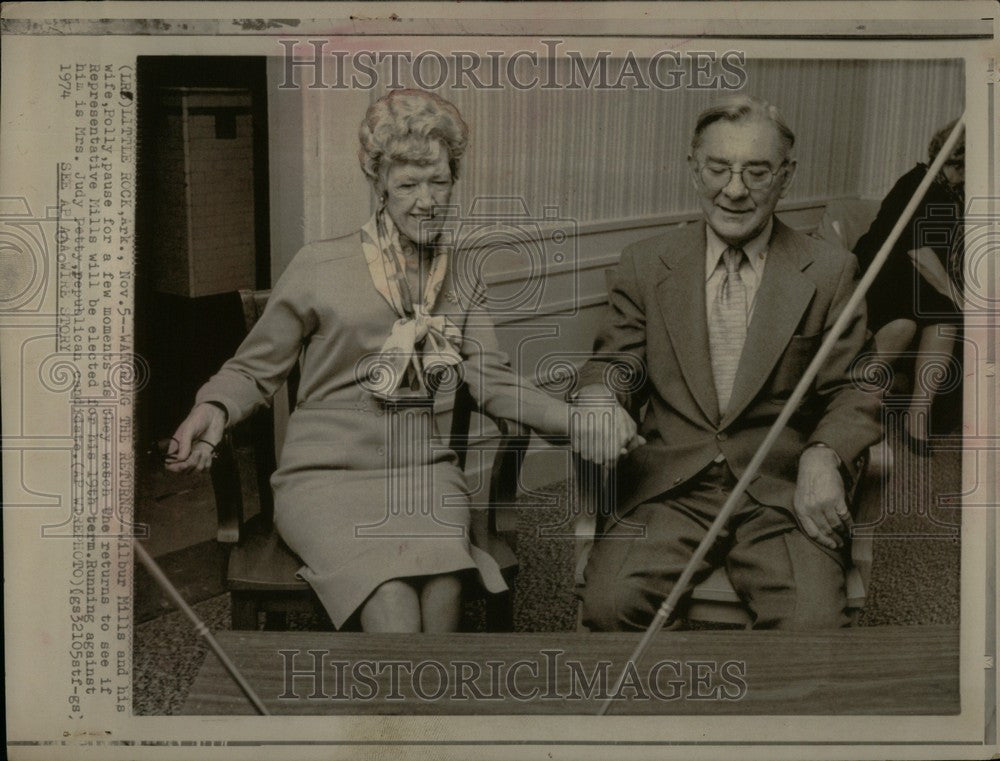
(217, 408)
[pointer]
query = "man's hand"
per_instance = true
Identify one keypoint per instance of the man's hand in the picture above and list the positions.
(600, 429)
(819, 498)
(193, 443)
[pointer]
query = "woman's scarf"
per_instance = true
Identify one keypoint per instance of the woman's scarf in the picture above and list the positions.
(420, 344)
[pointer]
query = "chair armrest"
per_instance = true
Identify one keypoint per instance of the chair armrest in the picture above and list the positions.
(515, 440)
(591, 503)
(228, 494)
(241, 476)
(866, 503)
(855, 487)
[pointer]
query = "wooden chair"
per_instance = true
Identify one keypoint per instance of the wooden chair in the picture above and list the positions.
(261, 574)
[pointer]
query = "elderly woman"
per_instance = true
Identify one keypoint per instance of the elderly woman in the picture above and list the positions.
(374, 315)
(918, 291)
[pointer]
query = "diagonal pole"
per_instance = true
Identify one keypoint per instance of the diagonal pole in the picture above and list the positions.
(161, 578)
(846, 315)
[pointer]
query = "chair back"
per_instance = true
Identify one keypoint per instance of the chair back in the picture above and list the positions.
(845, 220)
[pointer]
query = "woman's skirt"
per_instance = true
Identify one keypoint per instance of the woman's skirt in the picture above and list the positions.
(364, 495)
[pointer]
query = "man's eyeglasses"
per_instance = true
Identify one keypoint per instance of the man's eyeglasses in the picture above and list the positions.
(758, 177)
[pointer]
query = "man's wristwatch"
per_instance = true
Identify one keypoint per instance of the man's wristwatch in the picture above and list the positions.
(820, 444)
(844, 474)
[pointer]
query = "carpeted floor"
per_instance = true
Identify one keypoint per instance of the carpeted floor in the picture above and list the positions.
(915, 580)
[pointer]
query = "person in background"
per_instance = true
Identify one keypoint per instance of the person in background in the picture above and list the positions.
(917, 293)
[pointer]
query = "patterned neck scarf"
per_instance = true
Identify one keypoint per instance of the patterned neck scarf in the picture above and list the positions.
(420, 344)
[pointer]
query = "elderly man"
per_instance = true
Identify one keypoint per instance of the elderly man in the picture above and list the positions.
(716, 323)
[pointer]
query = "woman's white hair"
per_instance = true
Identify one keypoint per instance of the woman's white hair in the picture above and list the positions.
(402, 125)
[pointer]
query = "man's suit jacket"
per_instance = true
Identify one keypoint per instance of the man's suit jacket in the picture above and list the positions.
(653, 348)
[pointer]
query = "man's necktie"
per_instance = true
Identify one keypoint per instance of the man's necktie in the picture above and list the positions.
(727, 325)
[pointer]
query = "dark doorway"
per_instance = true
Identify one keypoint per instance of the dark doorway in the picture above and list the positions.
(202, 228)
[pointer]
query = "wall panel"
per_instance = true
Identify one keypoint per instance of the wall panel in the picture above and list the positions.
(906, 103)
(603, 155)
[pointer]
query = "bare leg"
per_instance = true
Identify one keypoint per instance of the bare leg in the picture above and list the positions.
(393, 607)
(440, 603)
(926, 380)
(894, 337)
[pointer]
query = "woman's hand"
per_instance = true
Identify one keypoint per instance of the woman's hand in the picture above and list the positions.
(930, 268)
(193, 444)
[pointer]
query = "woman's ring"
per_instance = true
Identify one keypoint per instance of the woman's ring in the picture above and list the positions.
(210, 444)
